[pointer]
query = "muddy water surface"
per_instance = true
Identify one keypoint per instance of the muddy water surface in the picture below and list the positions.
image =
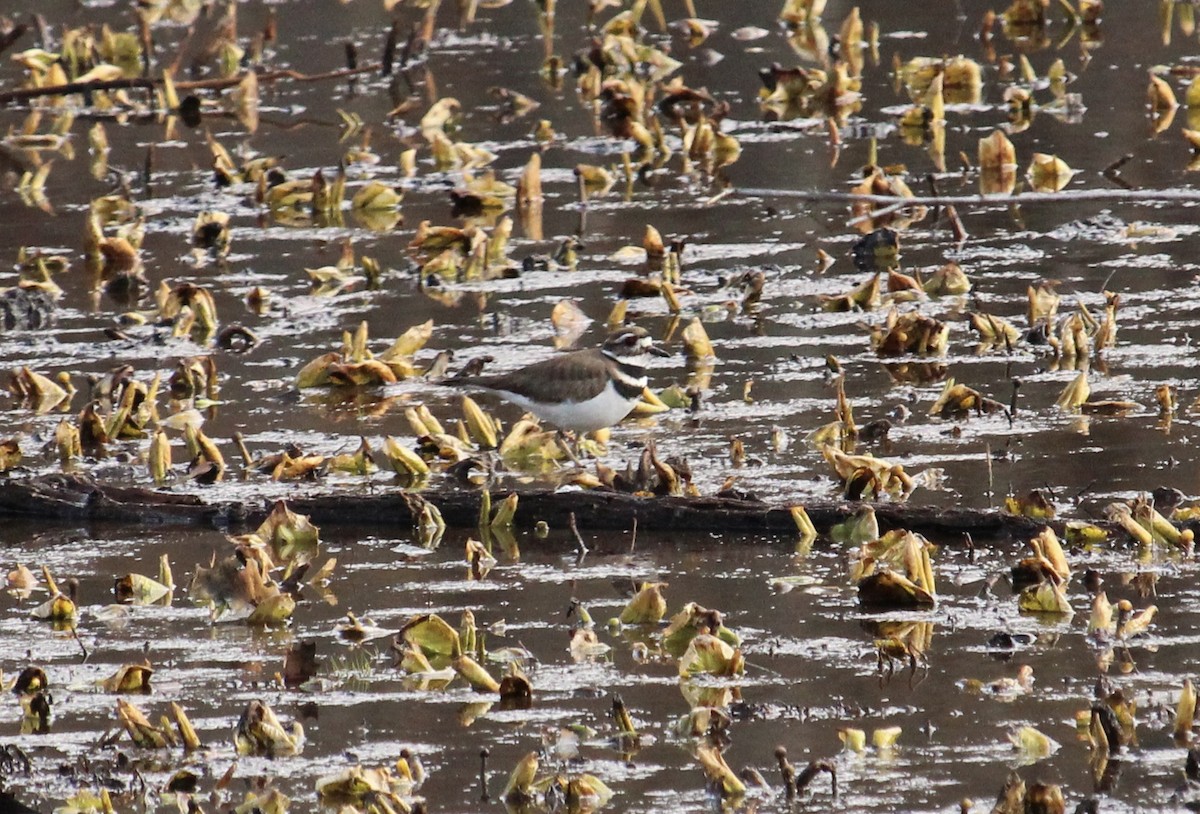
(812, 666)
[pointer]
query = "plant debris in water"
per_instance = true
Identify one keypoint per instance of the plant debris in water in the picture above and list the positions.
(901, 257)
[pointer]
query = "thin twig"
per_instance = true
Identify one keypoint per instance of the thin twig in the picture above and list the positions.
(582, 546)
(956, 225)
(633, 536)
(991, 482)
(75, 633)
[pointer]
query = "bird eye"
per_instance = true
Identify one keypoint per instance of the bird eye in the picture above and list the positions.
(631, 340)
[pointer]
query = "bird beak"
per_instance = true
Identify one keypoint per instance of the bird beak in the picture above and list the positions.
(655, 350)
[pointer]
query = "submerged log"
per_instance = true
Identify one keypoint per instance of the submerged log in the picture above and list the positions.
(71, 498)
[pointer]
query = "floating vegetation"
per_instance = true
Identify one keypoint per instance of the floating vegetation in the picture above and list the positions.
(949, 251)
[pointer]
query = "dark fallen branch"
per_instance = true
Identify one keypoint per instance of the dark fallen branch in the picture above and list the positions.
(75, 498)
(149, 83)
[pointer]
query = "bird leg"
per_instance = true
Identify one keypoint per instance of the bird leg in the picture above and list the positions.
(569, 442)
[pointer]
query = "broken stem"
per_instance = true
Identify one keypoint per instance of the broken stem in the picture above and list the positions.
(75, 633)
(580, 545)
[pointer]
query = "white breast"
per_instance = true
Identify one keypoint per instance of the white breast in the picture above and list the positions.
(596, 413)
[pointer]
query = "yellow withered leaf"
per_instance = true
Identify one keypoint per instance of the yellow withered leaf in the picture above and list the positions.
(696, 341)
(269, 801)
(647, 607)
(689, 622)
(519, 788)
(1083, 533)
(709, 655)
(59, 609)
(317, 372)
(187, 733)
(354, 786)
(910, 332)
(948, 279)
(369, 373)
(596, 179)
(889, 589)
(1162, 529)
(1048, 173)
(529, 186)
(860, 527)
(1046, 597)
(403, 461)
(959, 401)
(211, 231)
(586, 792)
(159, 457)
(481, 427)
(726, 149)
(649, 404)
(273, 610)
(719, 773)
(1100, 622)
(1035, 504)
(506, 512)
(259, 732)
(139, 590)
(42, 392)
(141, 731)
(1075, 393)
(474, 674)
(68, 442)
(432, 636)
(996, 152)
(359, 462)
(1122, 515)
(1130, 623)
(1185, 712)
(528, 446)
(1046, 545)
(440, 113)
(10, 453)
(1160, 95)
(854, 740)
(886, 737)
(291, 537)
(994, 330)
(86, 801)
(407, 345)
(101, 73)
(997, 164)
(622, 718)
(376, 196)
(569, 322)
(804, 525)
(129, 678)
(1032, 744)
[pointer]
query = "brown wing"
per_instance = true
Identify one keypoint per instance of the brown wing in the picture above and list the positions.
(578, 376)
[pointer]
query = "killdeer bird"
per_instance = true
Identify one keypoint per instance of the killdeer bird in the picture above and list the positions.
(582, 391)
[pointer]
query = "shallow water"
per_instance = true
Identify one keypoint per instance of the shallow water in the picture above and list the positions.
(811, 670)
(812, 663)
